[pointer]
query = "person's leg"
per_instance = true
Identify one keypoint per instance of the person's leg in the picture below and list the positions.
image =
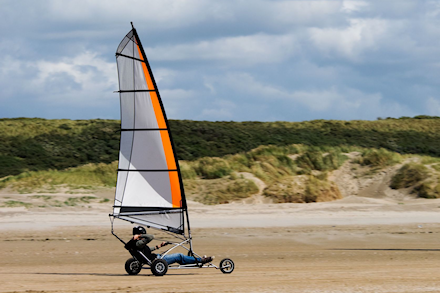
(180, 259)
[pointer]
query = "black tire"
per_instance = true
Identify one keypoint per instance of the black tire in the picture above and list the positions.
(159, 267)
(132, 266)
(227, 266)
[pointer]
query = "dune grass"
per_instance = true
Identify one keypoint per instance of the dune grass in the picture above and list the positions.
(314, 159)
(16, 203)
(428, 189)
(302, 189)
(379, 158)
(34, 144)
(88, 176)
(293, 173)
(409, 175)
(219, 191)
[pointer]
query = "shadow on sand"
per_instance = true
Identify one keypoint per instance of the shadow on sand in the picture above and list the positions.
(96, 274)
(387, 249)
(105, 275)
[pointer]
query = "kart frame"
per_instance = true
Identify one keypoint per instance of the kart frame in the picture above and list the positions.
(226, 265)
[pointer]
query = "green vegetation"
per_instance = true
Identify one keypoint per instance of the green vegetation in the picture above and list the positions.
(88, 176)
(408, 175)
(428, 189)
(317, 160)
(73, 201)
(45, 201)
(195, 139)
(302, 189)
(211, 168)
(34, 144)
(425, 183)
(15, 203)
(379, 158)
(292, 158)
(321, 190)
(219, 191)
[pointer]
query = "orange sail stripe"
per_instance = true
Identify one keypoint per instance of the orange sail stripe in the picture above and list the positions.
(175, 190)
(176, 196)
(169, 155)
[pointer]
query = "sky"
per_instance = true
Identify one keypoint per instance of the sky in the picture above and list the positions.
(254, 60)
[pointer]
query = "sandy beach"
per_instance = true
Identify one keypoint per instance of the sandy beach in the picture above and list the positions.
(356, 244)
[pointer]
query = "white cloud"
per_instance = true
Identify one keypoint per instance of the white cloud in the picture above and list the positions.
(254, 49)
(81, 80)
(339, 58)
(335, 102)
(163, 14)
(86, 78)
(295, 12)
(350, 6)
(350, 42)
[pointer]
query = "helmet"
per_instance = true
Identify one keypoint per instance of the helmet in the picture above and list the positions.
(139, 230)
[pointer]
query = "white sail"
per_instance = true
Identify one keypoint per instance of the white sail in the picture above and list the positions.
(149, 189)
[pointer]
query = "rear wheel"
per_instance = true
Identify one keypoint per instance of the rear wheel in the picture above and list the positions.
(159, 267)
(227, 266)
(132, 266)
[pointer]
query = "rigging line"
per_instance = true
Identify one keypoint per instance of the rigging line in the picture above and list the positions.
(126, 56)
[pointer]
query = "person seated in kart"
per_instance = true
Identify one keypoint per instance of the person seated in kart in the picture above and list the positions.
(142, 239)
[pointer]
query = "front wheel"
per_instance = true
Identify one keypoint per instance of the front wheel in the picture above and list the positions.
(132, 266)
(159, 267)
(227, 266)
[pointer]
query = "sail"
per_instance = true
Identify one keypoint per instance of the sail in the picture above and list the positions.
(149, 190)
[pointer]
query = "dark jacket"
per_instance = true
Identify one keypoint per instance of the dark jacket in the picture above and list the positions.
(141, 245)
(143, 241)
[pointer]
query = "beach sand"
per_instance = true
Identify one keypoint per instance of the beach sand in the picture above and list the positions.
(356, 244)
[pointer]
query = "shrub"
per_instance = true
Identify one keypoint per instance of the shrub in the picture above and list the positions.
(311, 160)
(219, 191)
(286, 190)
(302, 189)
(320, 190)
(80, 177)
(187, 170)
(316, 160)
(15, 203)
(428, 190)
(409, 175)
(211, 168)
(379, 158)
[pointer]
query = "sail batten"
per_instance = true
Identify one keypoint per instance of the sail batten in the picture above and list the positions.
(149, 178)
